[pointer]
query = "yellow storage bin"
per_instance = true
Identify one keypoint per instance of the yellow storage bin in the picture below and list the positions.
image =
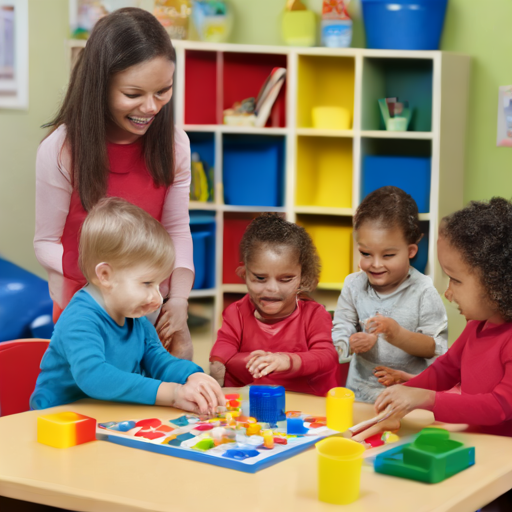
(331, 118)
(324, 172)
(334, 244)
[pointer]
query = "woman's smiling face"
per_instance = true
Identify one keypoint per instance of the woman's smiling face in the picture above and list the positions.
(135, 96)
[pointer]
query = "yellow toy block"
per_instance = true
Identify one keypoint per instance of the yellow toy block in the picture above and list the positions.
(65, 429)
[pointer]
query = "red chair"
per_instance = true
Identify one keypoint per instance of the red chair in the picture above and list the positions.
(19, 368)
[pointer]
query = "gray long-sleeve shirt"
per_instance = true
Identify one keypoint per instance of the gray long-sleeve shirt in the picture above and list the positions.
(415, 305)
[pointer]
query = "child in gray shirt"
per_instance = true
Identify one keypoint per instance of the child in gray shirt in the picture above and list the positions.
(388, 313)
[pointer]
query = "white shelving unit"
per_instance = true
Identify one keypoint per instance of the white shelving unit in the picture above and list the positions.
(322, 171)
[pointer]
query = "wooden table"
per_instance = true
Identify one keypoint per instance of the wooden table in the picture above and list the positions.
(102, 476)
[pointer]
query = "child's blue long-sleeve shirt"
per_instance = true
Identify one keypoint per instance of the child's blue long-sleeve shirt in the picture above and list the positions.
(90, 355)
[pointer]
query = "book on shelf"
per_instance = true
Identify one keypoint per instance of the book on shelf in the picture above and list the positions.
(268, 95)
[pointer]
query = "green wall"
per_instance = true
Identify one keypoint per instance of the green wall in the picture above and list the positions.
(20, 131)
(482, 30)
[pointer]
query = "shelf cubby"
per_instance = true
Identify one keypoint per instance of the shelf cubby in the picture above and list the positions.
(203, 228)
(203, 143)
(324, 172)
(407, 79)
(253, 170)
(235, 225)
(332, 237)
(243, 76)
(323, 81)
(201, 77)
(403, 163)
(420, 261)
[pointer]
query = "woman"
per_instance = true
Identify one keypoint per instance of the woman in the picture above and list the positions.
(114, 136)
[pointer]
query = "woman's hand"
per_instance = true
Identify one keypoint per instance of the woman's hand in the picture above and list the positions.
(401, 400)
(173, 320)
(200, 394)
(263, 363)
(361, 342)
(218, 372)
(389, 377)
(384, 325)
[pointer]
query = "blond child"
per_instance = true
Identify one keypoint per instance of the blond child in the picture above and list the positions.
(103, 347)
(388, 314)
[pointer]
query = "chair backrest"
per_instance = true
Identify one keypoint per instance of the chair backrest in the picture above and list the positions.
(19, 368)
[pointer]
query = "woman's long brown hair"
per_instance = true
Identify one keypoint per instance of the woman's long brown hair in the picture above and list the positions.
(118, 41)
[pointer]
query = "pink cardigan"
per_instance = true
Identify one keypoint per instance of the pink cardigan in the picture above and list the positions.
(53, 196)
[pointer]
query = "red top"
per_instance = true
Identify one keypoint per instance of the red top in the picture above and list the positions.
(305, 336)
(481, 360)
(128, 179)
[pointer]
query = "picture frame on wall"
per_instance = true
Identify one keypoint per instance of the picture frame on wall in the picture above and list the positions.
(504, 137)
(14, 54)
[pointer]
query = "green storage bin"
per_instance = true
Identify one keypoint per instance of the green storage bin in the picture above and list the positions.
(432, 457)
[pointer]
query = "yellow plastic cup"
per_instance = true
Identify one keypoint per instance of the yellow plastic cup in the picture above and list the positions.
(340, 403)
(331, 118)
(339, 470)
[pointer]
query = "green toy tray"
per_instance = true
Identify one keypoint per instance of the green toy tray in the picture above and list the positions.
(431, 457)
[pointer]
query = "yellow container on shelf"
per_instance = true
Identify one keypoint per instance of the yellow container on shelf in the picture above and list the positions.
(339, 470)
(331, 118)
(339, 405)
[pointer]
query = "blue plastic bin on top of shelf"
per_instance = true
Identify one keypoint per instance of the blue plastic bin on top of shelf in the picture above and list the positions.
(403, 24)
(202, 226)
(253, 170)
(411, 174)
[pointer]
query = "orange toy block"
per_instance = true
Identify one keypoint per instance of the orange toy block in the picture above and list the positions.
(65, 429)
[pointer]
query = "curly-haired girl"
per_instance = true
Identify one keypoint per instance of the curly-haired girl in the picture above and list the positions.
(388, 314)
(276, 334)
(475, 252)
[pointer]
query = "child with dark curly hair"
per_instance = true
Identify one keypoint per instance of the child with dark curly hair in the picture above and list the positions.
(388, 313)
(276, 334)
(475, 252)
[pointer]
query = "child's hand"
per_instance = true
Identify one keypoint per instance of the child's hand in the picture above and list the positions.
(402, 400)
(201, 394)
(389, 424)
(262, 363)
(361, 342)
(384, 325)
(389, 377)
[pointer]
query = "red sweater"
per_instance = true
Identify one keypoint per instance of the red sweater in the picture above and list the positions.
(481, 360)
(305, 336)
(129, 179)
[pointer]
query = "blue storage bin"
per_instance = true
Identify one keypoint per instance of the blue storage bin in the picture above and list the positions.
(202, 227)
(403, 24)
(253, 170)
(419, 262)
(199, 242)
(411, 174)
